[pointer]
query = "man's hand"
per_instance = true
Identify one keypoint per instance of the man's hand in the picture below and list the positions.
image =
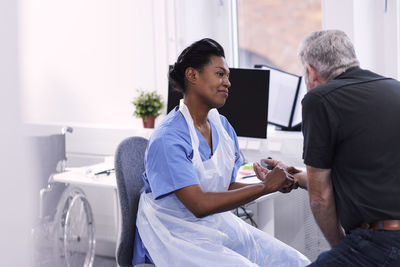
(300, 177)
(275, 179)
(261, 172)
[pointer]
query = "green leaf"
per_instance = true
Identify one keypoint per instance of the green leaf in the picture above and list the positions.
(148, 104)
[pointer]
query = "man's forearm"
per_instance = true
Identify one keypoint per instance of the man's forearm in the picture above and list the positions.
(322, 202)
(325, 215)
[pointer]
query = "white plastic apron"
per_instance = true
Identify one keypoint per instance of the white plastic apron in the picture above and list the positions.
(175, 237)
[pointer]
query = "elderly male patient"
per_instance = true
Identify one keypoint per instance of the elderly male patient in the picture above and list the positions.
(351, 129)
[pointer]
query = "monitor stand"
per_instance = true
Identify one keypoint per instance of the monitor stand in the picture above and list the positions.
(296, 128)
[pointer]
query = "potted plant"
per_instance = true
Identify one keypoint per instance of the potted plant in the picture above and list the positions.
(148, 106)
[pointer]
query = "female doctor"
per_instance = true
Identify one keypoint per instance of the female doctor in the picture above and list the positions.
(190, 167)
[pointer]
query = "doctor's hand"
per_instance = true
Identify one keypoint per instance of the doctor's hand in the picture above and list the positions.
(274, 163)
(295, 174)
(275, 179)
(300, 177)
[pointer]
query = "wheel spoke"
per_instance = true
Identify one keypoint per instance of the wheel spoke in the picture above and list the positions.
(74, 231)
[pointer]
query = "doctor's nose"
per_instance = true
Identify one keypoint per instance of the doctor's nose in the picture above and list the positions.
(227, 83)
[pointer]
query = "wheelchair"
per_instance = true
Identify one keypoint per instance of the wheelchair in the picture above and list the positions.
(64, 234)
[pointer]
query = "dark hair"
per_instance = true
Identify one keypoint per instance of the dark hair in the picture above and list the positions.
(196, 56)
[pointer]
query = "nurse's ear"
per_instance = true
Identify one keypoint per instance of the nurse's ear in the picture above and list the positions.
(191, 75)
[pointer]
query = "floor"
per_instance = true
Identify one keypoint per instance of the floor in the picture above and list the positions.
(44, 256)
(98, 262)
(104, 262)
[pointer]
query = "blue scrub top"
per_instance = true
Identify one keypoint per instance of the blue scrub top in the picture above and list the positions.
(168, 162)
(168, 158)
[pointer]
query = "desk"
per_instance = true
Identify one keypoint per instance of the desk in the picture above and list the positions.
(85, 176)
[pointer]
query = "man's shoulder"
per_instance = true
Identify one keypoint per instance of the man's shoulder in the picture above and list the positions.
(353, 77)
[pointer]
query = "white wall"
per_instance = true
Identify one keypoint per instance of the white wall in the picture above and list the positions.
(391, 33)
(82, 61)
(16, 181)
(374, 31)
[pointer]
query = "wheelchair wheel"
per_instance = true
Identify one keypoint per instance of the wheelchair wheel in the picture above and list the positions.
(74, 232)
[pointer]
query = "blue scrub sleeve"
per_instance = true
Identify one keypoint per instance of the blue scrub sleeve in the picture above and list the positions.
(169, 164)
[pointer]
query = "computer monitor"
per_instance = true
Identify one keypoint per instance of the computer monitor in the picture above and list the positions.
(286, 91)
(247, 105)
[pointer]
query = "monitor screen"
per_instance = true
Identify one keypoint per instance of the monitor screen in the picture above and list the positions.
(286, 91)
(297, 108)
(247, 105)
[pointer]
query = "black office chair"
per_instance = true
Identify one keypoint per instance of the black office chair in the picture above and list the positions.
(129, 167)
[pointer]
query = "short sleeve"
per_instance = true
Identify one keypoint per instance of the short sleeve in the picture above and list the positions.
(169, 164)
(319, 126)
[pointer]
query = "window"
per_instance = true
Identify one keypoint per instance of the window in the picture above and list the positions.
(269, 31)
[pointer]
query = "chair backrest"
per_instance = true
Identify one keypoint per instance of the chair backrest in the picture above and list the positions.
(129, 167)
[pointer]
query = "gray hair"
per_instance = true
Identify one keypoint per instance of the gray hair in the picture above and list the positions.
(329, 52)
